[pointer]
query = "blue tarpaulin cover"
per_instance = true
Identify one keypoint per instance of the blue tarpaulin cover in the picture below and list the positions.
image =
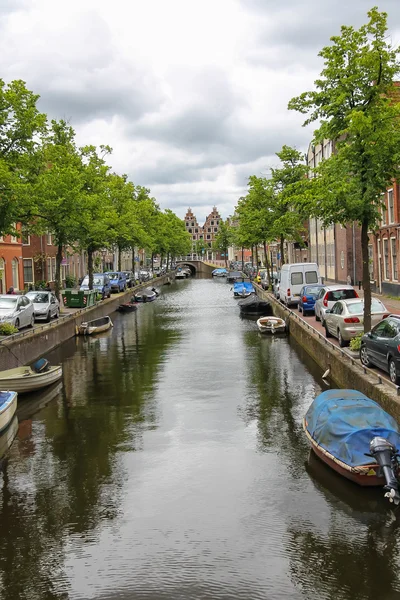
(243, 286)
(345, 421)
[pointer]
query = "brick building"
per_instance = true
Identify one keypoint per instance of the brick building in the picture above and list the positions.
(336, 249)
(11, 265)
(207, 232)
(384, 245)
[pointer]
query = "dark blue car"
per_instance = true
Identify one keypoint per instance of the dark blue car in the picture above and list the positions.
(308, 296)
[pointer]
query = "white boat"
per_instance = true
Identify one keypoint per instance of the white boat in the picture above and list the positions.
(95, 326)
(8, 406)
(27, 379)
(271, 325)
(8, 436)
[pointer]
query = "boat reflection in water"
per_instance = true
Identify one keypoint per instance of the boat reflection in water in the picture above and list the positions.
(31, 405)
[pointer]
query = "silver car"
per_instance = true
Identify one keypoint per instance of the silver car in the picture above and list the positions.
(330, 294)
(345, 319)
(45, 305)
(17, 310)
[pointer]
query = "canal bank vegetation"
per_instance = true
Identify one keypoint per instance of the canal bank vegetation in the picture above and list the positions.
(356, 105)
(49, 184)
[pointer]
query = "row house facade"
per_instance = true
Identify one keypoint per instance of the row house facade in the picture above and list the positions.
(384, 245)
(337, 248)
(11, 262)
(207, 233)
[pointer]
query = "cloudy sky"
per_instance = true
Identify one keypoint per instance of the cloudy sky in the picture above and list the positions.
(191, 94)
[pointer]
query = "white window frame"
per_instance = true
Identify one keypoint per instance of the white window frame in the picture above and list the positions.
(384, 212)
(49, 240)
(15, 273)
(386, 270)
(393, 239)
(390, 209)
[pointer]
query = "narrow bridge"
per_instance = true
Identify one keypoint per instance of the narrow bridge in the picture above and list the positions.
(198, 266)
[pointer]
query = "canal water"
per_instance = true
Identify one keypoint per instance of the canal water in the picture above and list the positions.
(171, 464)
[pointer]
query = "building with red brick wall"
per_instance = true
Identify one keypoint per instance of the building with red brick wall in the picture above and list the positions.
(207, 232)
(11, 265)
(384, 245)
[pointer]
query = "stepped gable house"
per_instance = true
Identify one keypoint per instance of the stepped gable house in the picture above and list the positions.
(207, 233)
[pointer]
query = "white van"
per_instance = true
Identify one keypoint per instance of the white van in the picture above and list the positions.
(293, 277)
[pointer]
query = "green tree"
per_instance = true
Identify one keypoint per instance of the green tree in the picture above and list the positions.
(21, 125)
(223, 240)
(355, 103)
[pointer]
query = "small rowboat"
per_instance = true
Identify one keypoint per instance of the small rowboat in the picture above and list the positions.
(354, 436)
(8, 406)
(30, 379)
(95, 326)
(271, 325)
(127, 307)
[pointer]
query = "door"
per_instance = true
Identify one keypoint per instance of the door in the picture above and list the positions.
(378, 343)
(332, 318)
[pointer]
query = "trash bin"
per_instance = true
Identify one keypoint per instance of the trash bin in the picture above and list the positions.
(79, 298)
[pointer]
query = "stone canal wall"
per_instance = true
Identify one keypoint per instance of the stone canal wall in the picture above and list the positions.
(345, 371)
(25, 347)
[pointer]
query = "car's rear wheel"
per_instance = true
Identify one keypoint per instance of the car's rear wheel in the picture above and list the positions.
(48, 317)
(32, 321)
(57, 314)
(394, 378)
(342, 342)
(299, 307)
(327, 332)
(17, 323)
(317, 317)
(364, 358)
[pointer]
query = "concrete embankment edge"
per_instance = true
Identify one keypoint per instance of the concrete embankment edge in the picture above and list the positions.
(345, 372)
(30, 344)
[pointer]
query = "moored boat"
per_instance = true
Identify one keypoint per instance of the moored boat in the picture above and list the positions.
(95, 326)
(222, 272)
(29, 379)
(233, 276)
(127, 307)
(253, 305)
(271, 325)
(243, 289)
(145, 295)
(354, 436)
(8, 406)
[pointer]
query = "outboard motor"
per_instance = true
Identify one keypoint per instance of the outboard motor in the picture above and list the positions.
(385, 455)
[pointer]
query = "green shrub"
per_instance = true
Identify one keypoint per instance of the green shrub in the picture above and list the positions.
(40, 285)
(355, 342)
(70, 281)
(7, 329)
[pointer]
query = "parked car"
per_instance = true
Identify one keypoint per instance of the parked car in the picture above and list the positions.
(45, 305)
(380, 347)
(117, 281)
(328, 295)
(101, 283)
(130, 279)
(17, 310)
(345, 319)
(259, 275)
(144, 275)
(275, 285)
(308, 296)
(292, 278)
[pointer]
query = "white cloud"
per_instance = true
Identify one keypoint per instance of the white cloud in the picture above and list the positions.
(192, 95)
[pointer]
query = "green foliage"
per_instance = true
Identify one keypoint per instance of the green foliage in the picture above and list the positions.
(7, 329)
(355, 343)
(40, 285)
(70, 281)
(355, 101)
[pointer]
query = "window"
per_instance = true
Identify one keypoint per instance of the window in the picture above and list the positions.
(311, 277)
(393, 248)
(208, 237)
(190, 230)
(28, 270)
(386, 273)
(390, 206)
(383, 212)
(48, 239)
(337, 308)
(296, 278)
(192, 224)
(187, 224)
(26, 239)
(217, 222)
(196, 230)
(342, 259)
(212, 222)
(209, 229)
(194, 237)
(15, 278)
(342, 295)
(215, 229)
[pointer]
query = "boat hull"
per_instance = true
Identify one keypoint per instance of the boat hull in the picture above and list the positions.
(7, 409)
(271, 325)
(93, 327)
(31, 382)
(125, 308)
(365, 476)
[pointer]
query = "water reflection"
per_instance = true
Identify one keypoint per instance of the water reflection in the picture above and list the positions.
(171, 463)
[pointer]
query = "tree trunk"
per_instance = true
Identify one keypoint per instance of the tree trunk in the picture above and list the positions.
(90, 266)
(252, 256)
(226, 258)
(282, 251)
(119, 258)
(133, 260)
(256, 253)
(167, 265)
(365, 276)
(269, 274)
(58, 271)
(152, 263)
(242, 258)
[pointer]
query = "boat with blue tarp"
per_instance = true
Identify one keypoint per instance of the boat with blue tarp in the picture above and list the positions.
(243, 289)
(358, 439)
(219, 273)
